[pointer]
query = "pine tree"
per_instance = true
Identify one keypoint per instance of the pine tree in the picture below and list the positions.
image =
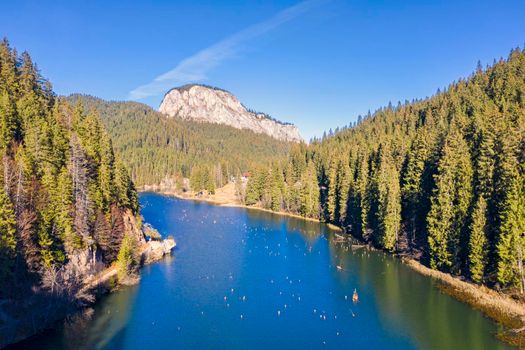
(29, 75)
(256, 185)
(277, 189)
(240, 189)
(363, 197)
(64, 207)
(414, 192)
(8, 119)
(310, 206)
(450, 203)
(125, 192)
(127, 257)
(333, 190)
(389, 205)
(511, 243)
(7, 240)
(478, 241)
(209, 182)
(8, 69)
(106, 174)
(344, 180)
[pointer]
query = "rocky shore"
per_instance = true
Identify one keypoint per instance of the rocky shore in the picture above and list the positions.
(21, 319)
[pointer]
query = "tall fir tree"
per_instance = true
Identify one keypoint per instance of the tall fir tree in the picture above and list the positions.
(450, 203)
(511, 245)
(7, 240)
(478, 241)
(389, 205)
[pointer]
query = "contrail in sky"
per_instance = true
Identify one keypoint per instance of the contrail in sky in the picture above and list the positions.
(196, 67)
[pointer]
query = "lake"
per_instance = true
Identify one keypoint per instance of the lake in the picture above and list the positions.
(247, 279)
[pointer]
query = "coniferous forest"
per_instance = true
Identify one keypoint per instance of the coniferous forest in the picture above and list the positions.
(147, 202)
(441, 179)
(64, 195)
(154, 147)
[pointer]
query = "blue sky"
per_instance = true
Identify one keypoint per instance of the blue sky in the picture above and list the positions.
(317, 63)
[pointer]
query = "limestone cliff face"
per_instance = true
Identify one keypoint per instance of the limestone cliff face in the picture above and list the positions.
(206, 104)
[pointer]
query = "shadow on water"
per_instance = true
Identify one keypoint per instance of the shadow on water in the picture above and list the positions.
(411, 304)
(101, 327)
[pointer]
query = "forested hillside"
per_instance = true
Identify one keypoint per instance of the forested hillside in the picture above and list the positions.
(442, 179)
(154, 147)
(65, 199)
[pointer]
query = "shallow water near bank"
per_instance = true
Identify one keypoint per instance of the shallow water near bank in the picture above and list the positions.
(246, 279)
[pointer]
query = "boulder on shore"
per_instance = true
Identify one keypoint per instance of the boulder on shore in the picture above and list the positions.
(156, 250)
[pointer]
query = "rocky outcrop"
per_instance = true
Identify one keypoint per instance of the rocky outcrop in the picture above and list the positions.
(212, 105)
(75, 285)
(156, 250)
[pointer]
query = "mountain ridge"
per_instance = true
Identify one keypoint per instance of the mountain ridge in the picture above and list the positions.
(203, 103)
(154, 147)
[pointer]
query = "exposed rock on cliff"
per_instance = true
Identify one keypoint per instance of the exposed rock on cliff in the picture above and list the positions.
(74, 286)
(206, 104)
(156, 250)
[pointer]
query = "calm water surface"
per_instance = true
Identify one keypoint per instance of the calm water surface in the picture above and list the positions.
(245, 279)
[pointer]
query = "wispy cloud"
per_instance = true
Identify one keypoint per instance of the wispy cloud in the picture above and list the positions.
(196, 67)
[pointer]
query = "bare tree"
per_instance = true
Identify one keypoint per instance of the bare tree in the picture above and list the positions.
(82, 203)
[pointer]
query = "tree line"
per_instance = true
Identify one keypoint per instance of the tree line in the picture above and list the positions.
(441, 179)
(155, 147)
(63, 192)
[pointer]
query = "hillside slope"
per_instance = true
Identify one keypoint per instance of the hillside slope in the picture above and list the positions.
(441, 179)
(66, 202)
(154, 147)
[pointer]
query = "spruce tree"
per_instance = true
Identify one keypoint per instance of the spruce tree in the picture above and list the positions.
(277, 189)
(511, 244)
(7, 239)
(413, 189)
(332, 201)
(363, 197)
(389, 205)
(127, 257)
(450, 203)
(8, 119)
(310, 205)
(478, 241)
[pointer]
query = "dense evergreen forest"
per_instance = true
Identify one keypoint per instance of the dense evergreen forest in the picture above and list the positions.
(64, 195)
(441, 179)
(154, 147)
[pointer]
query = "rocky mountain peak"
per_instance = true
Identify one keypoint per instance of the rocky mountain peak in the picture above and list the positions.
(213, 105)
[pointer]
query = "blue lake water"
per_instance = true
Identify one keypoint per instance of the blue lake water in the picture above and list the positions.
(246, 279)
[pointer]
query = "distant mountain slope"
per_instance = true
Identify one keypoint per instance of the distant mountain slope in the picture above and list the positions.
(213, 105)
(155, 147)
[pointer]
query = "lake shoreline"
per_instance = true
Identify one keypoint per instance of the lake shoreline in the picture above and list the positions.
(499, 307)
(95, 285)
(495, 305)
(232, 204)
